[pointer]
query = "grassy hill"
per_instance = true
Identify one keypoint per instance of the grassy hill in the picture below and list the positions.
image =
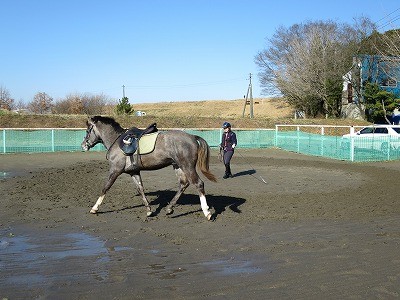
(264, 108)
(191, 114)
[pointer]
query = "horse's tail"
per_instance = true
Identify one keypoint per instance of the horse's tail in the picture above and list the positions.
(203, 158)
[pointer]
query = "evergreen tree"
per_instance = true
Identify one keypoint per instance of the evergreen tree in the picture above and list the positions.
(379, 103)
(123, 107)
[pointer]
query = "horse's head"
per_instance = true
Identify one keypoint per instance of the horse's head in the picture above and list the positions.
(92, 137)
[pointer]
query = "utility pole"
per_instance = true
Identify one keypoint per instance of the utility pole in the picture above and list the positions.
(249, 98)
(123, 91)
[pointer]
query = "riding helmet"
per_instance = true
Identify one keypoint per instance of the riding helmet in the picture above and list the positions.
(226, 125)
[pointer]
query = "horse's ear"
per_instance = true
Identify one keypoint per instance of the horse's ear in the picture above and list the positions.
(93, 120)
(90, 121)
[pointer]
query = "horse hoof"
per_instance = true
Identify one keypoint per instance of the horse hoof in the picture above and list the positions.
(210, 217)
(169, 211)
(93, 211)
(149, 213)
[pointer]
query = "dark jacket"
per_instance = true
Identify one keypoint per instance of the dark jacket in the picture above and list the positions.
(228, 139)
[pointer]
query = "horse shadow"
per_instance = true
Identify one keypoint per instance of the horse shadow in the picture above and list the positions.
(162, 198)
(120, 209)
(218, 203)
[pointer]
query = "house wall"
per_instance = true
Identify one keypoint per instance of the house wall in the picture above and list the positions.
(381, 70)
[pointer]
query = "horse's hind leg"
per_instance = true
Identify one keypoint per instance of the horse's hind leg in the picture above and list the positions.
(196, 180)
(139, 184)
(183, 184)
(203, 200)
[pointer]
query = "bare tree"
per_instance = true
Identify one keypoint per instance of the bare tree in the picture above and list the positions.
(389, 43)
(71, 104)
(41, 103)
(306, 63)
(20, 104)
(82, 104)
(95, 104)
(6, 102)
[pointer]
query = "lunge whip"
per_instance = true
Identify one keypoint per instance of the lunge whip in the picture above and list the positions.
(259, 179)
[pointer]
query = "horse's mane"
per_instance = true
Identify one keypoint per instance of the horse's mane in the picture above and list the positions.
(107, 120)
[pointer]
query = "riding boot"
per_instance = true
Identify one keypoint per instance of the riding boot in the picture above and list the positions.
(227, 171)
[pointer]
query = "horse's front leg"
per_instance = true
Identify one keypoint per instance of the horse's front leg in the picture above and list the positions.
(137, 179)
(111, 179)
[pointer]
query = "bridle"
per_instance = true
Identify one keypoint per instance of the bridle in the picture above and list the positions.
(97, 140)
(88, 143)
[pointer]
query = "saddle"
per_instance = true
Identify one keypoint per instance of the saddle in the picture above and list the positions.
(129, 141)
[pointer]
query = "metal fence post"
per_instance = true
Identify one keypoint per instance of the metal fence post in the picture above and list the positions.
(4, 141)
(352, 148)
(52, 141)
(322, 140)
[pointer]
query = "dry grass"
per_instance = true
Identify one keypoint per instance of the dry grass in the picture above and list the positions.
(264, 108)
(191, 114)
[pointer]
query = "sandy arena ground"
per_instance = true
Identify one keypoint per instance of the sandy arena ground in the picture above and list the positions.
(315, 229)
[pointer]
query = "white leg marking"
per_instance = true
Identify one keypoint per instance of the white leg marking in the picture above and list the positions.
(96, 206)
(204, 207)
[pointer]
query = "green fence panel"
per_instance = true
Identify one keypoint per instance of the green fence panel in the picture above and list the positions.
(51, 140)
(48, 140)
(70, 140)
(212, 136)
(27, 141)
(336, 147)
(260, 138)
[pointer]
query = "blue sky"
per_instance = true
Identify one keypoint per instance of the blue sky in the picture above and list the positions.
(165, 50)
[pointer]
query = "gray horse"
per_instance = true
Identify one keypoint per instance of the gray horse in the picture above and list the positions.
(177, 148)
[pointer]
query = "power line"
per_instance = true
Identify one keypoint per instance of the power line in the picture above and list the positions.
(389, 21)
(387, 15)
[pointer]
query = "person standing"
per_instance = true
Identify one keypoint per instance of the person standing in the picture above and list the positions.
(228, 144)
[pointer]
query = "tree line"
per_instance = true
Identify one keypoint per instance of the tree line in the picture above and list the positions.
(307, 63)
(89, 104)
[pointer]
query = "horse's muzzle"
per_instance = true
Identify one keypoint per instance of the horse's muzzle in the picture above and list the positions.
(85, 146)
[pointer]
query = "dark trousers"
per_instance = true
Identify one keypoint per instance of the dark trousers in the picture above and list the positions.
(227, 162)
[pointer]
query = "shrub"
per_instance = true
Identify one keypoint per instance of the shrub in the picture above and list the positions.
(123, 107)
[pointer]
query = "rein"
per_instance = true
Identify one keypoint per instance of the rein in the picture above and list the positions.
(108, 150)
(90, 145)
